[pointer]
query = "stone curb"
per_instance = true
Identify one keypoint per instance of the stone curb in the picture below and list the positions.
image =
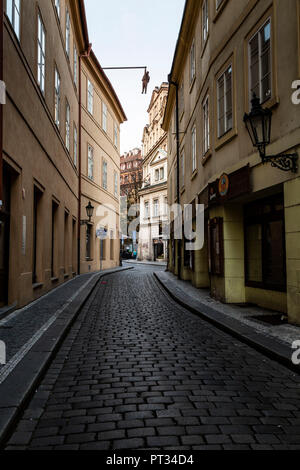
(18, 387)
(149, 263)
(270, 347)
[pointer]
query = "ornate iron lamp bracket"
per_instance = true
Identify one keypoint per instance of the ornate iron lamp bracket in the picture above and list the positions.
(285, 162)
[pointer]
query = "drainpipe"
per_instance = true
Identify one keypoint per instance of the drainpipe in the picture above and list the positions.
(84, 54)
(1, 105)
(178, 166)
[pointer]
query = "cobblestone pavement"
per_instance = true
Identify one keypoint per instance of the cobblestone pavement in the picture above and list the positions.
(137, 371)
(18, 328)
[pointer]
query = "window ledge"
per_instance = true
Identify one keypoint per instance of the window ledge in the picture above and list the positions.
(37, 285)
(206, 157)
(226, 138)
(219, 11)
(194, 174)
(66, 275)
(204, 45)
(269, 104)
(192, 83)
(272, 102)
(54, 279)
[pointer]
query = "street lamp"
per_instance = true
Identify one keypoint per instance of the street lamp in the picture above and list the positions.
(89, 212)
(258, 123)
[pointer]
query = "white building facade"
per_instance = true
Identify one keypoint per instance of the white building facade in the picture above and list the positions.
(153, 195)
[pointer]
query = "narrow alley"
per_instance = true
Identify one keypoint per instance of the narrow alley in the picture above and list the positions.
(145, 373)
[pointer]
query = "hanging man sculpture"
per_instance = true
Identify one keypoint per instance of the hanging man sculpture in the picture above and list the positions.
(145, 81)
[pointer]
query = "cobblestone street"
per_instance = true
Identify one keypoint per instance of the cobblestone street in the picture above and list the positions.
(137, 371)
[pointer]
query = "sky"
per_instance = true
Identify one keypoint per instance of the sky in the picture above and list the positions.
(134, 33)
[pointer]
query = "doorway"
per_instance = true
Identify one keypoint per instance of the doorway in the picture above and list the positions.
(158, 249)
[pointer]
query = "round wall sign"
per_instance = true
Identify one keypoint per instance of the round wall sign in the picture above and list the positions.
(223, 185)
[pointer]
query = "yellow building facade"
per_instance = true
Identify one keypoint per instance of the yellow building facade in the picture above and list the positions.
(226, 51)
(101, 116)
(44, 145)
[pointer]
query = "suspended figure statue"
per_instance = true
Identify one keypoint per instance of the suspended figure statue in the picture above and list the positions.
(145, 81)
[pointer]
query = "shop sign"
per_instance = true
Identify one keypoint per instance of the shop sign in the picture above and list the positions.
(223, 185)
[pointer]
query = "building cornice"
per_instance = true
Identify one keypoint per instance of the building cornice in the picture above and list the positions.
(153, 188)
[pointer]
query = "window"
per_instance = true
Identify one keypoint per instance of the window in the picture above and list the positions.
(57, 98)
(206, 130)
(146, 210)
(265, 244)
(162, 173)
(75, 149)
(90, 97)
(68, 32)
(192, 62)
(57, 6)
(13, 13)
(104, 117)
(75, 71)
(194, 149)
(90, 162)
(260, 63)
(224, 96)
(67, 126)
(104, 174)
(156, 175)
(204, 20)
(116, 135)
(155, 212)
(182, 169)
(41, 54)
(116, 183)
(166, 206)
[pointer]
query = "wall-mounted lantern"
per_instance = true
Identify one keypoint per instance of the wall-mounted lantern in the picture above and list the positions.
(89, 212)
(258, 123)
